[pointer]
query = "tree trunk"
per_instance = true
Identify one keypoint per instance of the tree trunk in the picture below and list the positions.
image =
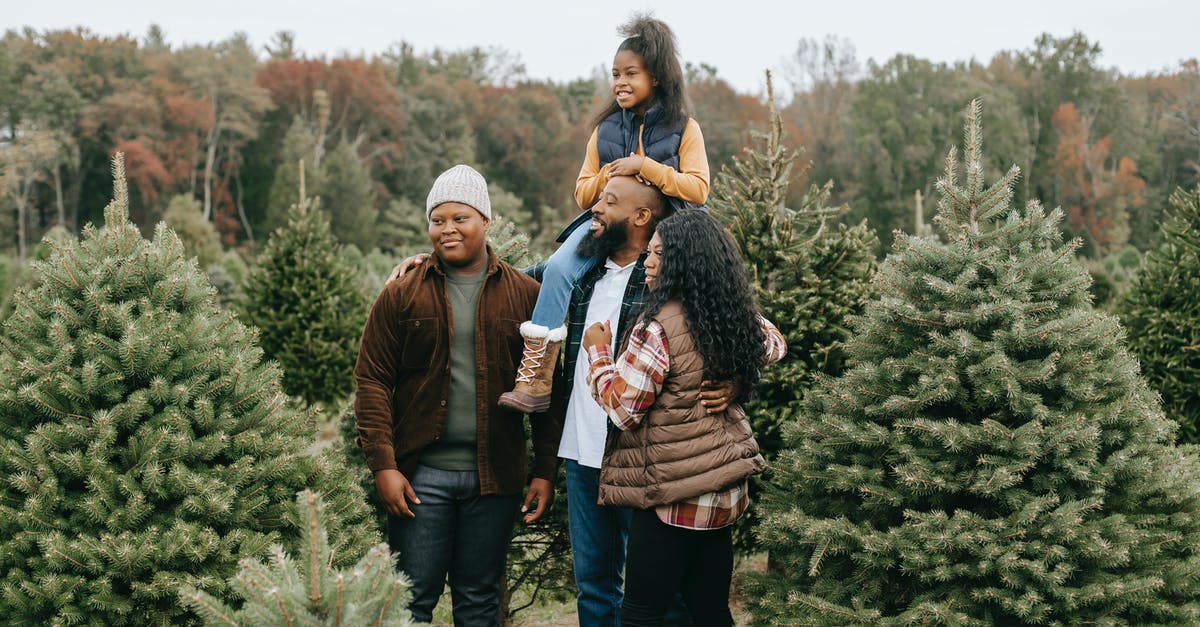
(58, 195)
(241, 209)
(210, 160)
(22, 253)
(74, 193)
(210, 157)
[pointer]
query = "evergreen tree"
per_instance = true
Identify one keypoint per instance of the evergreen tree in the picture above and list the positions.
(346, 196)
(308, 303)
(12, 276)
(403, 228)
(809, 274)
(299, 147)
(510, 243)
(227, 277)
(1162, 314)
(144, 443)
(310, 591)
(991, 457)
(200, 239)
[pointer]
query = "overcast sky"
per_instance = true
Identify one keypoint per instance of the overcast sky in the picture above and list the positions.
(563, 39)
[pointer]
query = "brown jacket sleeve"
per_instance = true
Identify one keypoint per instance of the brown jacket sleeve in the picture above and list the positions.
(375, 375)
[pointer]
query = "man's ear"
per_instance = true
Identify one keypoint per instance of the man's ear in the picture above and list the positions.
(643, 216)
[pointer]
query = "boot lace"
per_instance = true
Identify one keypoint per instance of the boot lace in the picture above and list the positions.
(531, 362)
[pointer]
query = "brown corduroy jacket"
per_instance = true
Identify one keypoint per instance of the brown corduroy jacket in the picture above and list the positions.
(403, 376)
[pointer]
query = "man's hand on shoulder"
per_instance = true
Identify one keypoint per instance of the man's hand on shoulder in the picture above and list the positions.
(715, 396)
(407, 265)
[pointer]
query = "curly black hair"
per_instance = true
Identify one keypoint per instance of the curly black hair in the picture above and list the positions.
(700, 267)
(654, 42)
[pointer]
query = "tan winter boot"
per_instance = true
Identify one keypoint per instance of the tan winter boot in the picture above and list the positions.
(535, 376)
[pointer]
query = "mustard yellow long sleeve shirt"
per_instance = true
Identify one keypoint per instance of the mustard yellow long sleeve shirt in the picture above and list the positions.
(690, 183)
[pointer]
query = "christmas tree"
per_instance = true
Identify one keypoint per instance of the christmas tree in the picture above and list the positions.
(1162, 314)
(185, 216)
(347, 197)
(310, 591)
(809, 271)
(309, 304)
(991, 457)
(144, 443)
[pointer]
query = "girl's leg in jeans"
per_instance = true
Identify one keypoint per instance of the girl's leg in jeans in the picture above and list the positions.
(545, 332)
(563, 269)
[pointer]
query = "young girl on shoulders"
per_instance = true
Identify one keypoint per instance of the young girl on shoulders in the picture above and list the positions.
(645, 131)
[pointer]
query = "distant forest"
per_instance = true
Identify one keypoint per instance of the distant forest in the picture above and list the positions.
(227, 123)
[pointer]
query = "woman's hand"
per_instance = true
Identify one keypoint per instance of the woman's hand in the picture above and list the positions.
(626, 166)
(597, 334)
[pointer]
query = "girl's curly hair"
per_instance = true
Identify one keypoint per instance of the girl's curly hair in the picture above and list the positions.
(653, 41)
(700, 266)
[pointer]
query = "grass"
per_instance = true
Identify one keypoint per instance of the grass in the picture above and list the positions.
(562, 614)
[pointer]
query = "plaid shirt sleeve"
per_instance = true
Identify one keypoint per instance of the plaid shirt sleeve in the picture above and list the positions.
(627, 387)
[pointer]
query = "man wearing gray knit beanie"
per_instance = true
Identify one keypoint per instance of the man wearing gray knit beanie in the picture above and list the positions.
(462, 184)
(439, 348)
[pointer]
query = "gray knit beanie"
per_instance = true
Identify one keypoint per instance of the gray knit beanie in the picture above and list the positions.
(460, 184)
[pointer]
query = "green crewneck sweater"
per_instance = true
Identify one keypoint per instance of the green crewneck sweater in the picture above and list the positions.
(456, 448)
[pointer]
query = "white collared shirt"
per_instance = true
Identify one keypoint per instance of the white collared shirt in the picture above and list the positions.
(586, 423)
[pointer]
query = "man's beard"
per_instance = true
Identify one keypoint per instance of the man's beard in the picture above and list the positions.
(609, 241)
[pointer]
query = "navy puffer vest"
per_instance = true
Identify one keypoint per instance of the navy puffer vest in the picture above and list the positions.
(617, 136)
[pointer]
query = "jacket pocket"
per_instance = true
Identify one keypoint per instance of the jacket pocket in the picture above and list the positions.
(505, 348)
(422, 337)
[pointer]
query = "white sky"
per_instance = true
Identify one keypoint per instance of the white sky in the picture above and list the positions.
(568, 39)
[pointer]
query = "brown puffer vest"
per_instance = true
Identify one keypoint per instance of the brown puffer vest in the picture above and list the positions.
(679, 451)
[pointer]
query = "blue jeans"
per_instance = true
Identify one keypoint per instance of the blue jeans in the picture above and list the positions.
(598, 535)
(458, 532)
(563, 270)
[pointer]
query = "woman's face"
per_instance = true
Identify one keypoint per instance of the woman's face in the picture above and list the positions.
(653, 261)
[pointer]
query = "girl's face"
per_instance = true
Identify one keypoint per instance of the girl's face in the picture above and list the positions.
(653, 262)
(632, 84)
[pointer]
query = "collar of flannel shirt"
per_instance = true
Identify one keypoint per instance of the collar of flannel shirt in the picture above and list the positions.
(581, 297)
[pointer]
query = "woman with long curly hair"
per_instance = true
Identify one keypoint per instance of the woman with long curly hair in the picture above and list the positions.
(683, 469)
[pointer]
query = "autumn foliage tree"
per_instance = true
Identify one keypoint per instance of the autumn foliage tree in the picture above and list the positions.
(1097, 188)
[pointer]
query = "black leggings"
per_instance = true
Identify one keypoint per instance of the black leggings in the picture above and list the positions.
(662, 560)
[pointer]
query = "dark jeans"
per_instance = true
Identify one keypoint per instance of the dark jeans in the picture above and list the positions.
(664, 560)
(459, 532)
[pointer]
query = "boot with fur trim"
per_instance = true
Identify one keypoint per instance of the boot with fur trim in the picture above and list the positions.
(535, 375)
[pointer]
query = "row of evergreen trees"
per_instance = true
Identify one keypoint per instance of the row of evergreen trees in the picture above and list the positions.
(957, 435)
(990, 455)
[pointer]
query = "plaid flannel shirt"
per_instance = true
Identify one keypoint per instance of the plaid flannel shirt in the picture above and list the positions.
(626, 389)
